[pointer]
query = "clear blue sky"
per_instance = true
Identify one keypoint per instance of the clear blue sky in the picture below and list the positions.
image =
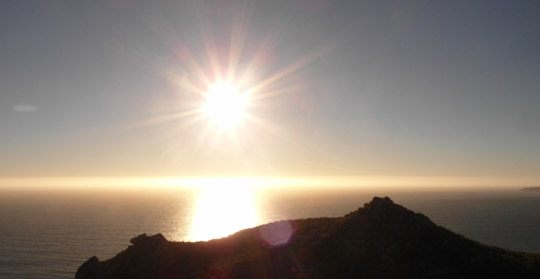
(418, 88)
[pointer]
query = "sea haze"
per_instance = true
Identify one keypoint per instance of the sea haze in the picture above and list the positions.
(49, 235)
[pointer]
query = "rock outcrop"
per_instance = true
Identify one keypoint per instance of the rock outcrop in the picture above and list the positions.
(380, 240)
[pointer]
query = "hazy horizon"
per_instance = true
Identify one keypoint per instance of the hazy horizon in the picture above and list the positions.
(327, 183)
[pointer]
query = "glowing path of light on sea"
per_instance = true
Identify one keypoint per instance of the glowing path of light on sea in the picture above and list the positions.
(222, 210)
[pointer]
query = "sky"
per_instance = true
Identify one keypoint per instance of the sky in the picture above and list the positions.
(344, 88)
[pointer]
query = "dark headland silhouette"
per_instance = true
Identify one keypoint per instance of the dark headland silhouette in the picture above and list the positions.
(380, 240)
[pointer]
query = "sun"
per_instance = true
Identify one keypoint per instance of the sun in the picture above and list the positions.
(225, 105)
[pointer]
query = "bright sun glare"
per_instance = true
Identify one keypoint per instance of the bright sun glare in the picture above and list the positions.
(225, 105)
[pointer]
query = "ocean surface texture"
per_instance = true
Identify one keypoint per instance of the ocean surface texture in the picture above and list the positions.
(49, 235)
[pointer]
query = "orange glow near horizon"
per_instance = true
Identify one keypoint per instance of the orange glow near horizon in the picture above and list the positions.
(383, 182)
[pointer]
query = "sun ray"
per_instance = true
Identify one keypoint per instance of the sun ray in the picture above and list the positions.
(284, 72)
(297, 87)
(196, 68)
(256, 60)
(212, 54)
(236, 46)
(157, 120)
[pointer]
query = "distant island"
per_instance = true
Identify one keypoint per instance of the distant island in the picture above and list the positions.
(531, 189)
(380, 240)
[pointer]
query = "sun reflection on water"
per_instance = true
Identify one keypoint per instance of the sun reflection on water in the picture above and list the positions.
(223, 209)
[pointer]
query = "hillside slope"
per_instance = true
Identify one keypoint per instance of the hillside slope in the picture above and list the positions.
(379, 240)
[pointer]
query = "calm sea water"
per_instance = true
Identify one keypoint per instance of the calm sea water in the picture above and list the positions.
(49, 235)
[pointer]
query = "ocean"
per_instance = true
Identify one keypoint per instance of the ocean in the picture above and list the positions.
(50, 234)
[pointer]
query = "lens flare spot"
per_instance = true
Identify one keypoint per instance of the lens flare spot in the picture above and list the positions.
(277, 233)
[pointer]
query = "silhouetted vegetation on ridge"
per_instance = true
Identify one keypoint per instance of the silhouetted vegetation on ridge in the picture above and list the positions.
(380, 240)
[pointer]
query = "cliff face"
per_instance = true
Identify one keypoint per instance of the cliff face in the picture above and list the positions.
(380, 240)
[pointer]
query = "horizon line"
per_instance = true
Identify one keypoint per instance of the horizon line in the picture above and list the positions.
(395, 181)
